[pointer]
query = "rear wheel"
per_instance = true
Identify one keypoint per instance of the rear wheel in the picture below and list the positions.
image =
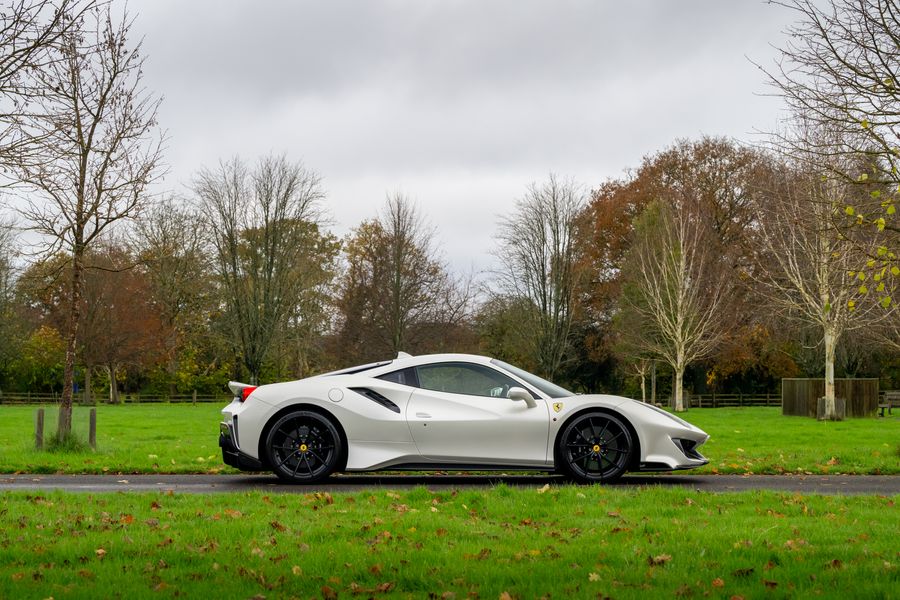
(595, 447)
(303, 447)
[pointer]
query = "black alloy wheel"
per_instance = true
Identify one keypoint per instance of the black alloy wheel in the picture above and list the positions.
(303, 447)
(595, 447)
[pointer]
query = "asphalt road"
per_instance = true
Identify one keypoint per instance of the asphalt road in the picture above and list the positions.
(205, 484)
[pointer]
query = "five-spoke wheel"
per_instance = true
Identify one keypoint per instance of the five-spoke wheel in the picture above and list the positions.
(303, 447)
(595, 447)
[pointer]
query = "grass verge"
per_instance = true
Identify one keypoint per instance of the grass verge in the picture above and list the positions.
(173, 438)
(568, 542)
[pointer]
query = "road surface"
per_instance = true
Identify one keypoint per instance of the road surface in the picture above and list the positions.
(205, 484)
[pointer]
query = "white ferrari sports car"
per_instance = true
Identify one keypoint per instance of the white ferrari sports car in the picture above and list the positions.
(447, 412)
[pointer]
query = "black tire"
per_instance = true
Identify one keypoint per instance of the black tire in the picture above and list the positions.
(594, 448)
(303, 447)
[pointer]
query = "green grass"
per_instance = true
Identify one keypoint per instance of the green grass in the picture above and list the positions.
(761, 440)
(147, 438)
(568, 542)
(173, 438)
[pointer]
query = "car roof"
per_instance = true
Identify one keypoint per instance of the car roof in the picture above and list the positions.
(403, 362)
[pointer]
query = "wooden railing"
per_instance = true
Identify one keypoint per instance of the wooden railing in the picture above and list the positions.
(32, 398)
(730, 400)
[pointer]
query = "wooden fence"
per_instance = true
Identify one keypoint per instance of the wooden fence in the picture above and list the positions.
(726, 400)
(29, 398)
(800, 396)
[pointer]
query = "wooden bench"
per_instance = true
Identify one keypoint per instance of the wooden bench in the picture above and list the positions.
(891, 399)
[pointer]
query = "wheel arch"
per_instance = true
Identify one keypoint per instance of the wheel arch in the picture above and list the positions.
(634, 462)
(264, 435)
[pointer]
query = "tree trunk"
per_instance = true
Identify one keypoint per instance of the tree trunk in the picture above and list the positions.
(830, 343)
(64, 427)
(679, 392)
(653, 382)
(88, 393)
(643, 387)
(113, 385)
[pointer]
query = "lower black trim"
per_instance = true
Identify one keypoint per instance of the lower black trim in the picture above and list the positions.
(646, 467)
(433, 466)
(233, 457)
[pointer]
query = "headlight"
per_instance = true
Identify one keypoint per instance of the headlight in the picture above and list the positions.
(681, 422)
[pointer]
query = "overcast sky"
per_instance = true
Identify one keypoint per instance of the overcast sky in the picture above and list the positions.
(458, 104)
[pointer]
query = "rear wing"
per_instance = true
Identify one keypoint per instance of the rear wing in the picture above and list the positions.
(237, 388)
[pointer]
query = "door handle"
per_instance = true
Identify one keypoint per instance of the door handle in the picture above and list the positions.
(423, 415)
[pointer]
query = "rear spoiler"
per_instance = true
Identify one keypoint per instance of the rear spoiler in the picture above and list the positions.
(237, 388)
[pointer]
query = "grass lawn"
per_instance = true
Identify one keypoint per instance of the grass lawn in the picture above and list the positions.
(567, 542)
(143, 438)
(175, 438)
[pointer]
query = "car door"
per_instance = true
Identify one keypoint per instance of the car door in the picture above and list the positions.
(459, 413)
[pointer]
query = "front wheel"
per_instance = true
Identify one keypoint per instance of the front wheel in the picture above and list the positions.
(303, 447)
(595, 447)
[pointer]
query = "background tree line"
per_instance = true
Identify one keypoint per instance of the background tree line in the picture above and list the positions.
(718, 266)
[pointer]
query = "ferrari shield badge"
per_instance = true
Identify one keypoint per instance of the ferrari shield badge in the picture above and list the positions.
(557, 406)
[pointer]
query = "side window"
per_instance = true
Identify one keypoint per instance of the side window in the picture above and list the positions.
(465, 378)
(403, 377)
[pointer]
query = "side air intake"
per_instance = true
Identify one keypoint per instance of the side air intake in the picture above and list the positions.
(377, 398)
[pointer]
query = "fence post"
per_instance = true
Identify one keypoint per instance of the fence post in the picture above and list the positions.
(194, 397)
(740, 399)
(39, 429)
(92, 429)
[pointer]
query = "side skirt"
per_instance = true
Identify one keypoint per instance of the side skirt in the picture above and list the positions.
(433, 466)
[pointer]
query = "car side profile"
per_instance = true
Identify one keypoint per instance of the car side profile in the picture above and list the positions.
(447, 412)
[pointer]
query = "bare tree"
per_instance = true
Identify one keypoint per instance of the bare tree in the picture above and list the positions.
(171, 248)
(9, 323)
(28, 30)
(263, 226)
(97, 137)
(676, 289)
(804, 268)
(540, 255)
(396, 294)
(840, 72)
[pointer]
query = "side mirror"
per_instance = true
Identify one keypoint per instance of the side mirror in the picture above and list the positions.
(521, 394)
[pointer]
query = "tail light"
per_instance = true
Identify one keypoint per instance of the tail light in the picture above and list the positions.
(245, 393)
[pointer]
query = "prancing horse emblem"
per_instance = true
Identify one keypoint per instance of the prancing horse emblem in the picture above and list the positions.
(557, 406)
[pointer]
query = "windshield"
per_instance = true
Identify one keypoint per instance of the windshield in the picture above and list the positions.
(551, 389)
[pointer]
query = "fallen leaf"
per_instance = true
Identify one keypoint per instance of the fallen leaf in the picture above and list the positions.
(718, 582)
(328, 593)
(658, 560)
(742, 572)
(505, 595)
(835, 564)
(770, 584)
(100, 552)
(593, 577)
(297, 571)
(277, 526)
(542, 490)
